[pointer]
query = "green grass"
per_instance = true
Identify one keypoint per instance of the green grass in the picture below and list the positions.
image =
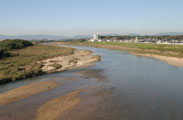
(23, 63)
(147, 46)
(144, 48)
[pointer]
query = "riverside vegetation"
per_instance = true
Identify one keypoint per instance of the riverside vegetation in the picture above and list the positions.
(141, 48)
(19, 58)
(7, 45)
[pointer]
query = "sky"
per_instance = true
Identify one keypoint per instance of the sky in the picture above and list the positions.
(85, 17)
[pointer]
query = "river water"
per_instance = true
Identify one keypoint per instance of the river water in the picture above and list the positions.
(120, 87)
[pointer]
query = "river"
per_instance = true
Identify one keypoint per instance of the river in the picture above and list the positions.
(120, 87)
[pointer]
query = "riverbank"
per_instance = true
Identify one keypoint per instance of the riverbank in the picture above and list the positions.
(42, 59)
(171, 54)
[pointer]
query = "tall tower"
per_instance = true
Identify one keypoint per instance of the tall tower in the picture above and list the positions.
(136, 39)
(96, 36)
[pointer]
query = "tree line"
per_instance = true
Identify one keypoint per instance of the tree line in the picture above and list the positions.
(7, 45)
(165, 37)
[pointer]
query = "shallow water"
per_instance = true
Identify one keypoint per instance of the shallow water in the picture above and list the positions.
(120, 87)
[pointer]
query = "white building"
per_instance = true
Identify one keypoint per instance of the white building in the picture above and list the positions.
(108, 40)
(164, 42)
(96, 38)
(136, 39)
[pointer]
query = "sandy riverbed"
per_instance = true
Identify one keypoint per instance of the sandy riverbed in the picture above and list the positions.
(59, 106)
(170, 60)
(25, 91)
(81, 58)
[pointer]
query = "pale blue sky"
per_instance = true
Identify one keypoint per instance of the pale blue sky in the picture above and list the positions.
(83, 17)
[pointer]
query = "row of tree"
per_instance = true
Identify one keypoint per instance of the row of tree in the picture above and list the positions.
(177, 37)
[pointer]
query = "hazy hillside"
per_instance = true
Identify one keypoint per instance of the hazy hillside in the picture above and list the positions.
(39, 37)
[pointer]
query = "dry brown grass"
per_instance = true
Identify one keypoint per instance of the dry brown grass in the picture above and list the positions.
(59, 106)
(25, 91)
(24, 62)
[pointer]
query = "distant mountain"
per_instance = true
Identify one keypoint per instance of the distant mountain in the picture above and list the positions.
(40, 37)
(54, 37)
(80, 36)
(134, 34)
(171, 33)
(112, 34)
(30, 37)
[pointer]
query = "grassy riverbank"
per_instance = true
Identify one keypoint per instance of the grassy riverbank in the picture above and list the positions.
(171, 54)
(23, 63)
(141, 48)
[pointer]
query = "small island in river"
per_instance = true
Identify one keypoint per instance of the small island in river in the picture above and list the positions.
(21, 59)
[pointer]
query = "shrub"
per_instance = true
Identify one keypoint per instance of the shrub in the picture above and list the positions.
(7, 45)
(57, 66)
(80, 40)
(4, 53)
(26, 62)
(14, 44)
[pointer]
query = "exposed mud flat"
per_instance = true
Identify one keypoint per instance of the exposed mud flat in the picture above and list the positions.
(93, 103)
(59, 106)
(25, 91)
(81, 58)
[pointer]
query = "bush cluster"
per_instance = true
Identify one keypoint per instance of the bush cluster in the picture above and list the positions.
(26, 62)
(14, 44)
(7, 45)
(4, 53)
(79, 40)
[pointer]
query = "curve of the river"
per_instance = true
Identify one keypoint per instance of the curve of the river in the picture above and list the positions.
(120, 87)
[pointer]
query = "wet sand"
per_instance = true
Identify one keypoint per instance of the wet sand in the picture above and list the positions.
(25, 91)
(170, 60)
(59, 106)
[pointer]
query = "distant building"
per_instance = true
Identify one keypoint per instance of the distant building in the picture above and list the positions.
(136, 39)
(108, 40)
(163, 42)
(158, 42)
(96, 38)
